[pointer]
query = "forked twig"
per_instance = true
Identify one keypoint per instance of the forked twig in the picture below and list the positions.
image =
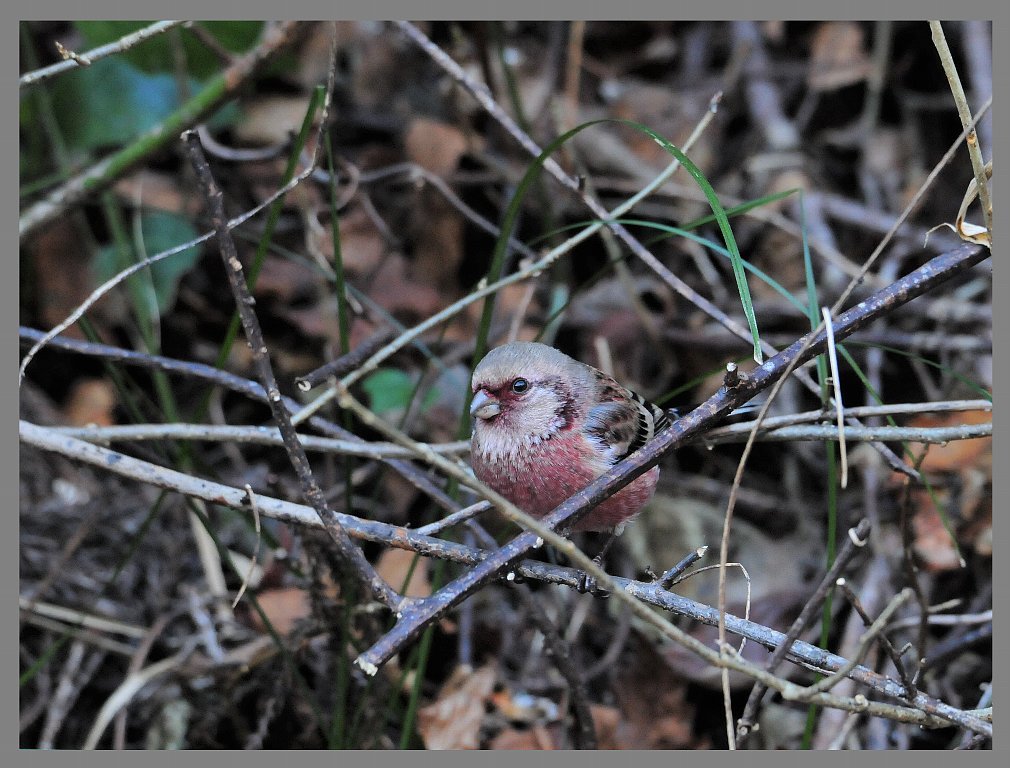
(351, 554)
(419, 614)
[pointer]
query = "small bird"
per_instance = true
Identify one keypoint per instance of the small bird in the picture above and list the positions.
(545, 426)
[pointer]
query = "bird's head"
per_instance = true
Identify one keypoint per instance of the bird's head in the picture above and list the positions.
(524, 391)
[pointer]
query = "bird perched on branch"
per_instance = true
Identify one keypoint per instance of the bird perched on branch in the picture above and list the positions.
(545, 426)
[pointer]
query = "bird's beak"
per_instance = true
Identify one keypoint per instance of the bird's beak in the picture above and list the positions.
(484, 406)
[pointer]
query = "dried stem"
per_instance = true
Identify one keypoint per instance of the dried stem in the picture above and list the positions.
(858, 534)
(964, 112)
(419, 615)
(348, 551)
(368, 530)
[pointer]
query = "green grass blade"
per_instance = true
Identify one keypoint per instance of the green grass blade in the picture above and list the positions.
(727, 232)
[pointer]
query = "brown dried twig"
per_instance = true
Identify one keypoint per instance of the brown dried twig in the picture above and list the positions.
(351, 554)
(856, 540)
(419, 614)
(369, 530)
(964, 112)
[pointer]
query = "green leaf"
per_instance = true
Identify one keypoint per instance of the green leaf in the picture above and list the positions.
(389, 389)
(111, 102)
(161, 230)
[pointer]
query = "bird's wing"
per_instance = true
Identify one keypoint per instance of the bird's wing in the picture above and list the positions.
(622, 421)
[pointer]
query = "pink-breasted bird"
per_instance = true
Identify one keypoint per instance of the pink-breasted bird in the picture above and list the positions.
(545, 426)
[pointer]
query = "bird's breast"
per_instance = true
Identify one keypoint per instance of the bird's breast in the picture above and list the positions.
(540, 474)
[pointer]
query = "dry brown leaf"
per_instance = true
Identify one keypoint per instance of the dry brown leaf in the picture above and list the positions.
(979, 534)
(283, 607)
(313, 51)
(91, 401)
(606, 721)
(837, 56)
(157, 190)
(399, 494)
(394, 565)
(453, 720)
(318, 321)
(269, 120)
(971, 460)
(933, 544)
(777, 252)
(437, 231)
(361, 244)
(396, 290)
(435, 146)
(379, 73)
(437, 228)
(287, 281)
(263, 178)
(975, 495)
(957, 455)
(61, 271)
(298, 294)
(774, 31)
(672, 114)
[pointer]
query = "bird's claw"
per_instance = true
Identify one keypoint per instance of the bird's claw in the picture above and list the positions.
(587, 584)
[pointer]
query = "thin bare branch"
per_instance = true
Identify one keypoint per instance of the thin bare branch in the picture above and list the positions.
(73, 60)
(349, 552)
(402, 538)
(99, 176)
(964, 112)
(415, 618)
(251, 435)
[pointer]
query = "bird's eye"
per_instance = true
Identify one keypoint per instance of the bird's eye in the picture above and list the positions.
(520, 385)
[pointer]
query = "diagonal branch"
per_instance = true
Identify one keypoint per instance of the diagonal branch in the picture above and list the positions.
(653, 593)
(73, 60)
(419, 614)
(480, 92)
(348, 551)
(104, 172)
